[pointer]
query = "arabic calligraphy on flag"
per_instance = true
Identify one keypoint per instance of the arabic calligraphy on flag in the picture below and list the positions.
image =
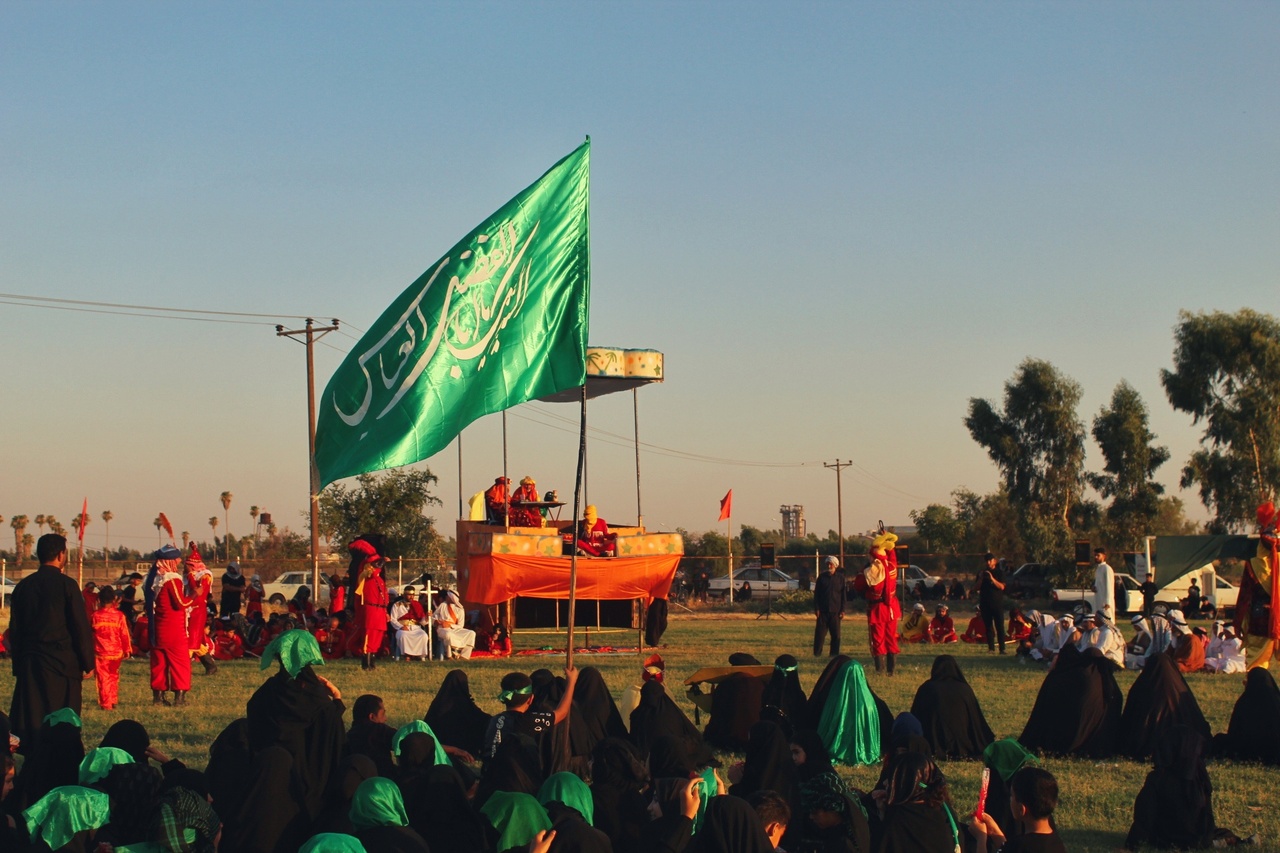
(499, 320)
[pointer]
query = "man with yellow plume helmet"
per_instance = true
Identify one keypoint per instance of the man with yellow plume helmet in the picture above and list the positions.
(594, 538)
(878, 584)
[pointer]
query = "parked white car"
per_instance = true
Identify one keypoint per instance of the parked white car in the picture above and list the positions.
(770, 582)
(283, 588)
(912, 575)
(1082, 601)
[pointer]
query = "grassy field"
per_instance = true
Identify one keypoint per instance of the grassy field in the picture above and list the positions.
(1097, 797)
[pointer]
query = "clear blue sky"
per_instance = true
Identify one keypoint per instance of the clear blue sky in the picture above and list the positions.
(839, 221)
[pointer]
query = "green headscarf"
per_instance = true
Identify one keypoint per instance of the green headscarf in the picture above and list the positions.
(850, 723)
(64, 811)
(377, 802)
(63, 715)
(331, 842)
(569, 789)
(141, 847)
(413, 728)
(98, 762)
(294, 649)
(1006, 757)
(516, 817)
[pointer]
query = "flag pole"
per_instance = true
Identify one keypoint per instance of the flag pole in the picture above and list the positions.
(577, 510)
(728, 538)
(506, 486)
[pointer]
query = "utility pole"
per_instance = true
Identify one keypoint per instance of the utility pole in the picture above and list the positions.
(838, 466)
(311, 334)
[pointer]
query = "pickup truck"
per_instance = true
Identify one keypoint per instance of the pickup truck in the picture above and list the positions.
(1082, 601)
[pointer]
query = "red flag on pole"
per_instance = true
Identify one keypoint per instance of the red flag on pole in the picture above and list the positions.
(84, 518)
(726, 506)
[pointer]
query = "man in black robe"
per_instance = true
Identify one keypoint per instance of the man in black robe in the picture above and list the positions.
(828, 607)
(50, 640)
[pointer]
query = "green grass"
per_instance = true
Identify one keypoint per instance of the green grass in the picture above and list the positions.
(1097, 797)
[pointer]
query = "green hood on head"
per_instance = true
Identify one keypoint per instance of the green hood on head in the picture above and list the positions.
(569, 789)
(850, 723)
(60, 814)
(377, 802)
(517, 817)
(98, 763)
(294, 649)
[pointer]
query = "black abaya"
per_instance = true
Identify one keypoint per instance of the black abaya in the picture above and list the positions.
(618, 776)
(783, 692)
(456, 827)
(1254, 731)
(658, 716)
(731, 826)
(1174, 809)
(598, 713)
(1158, 700)
(1078, 708)
(299, 715)
(949, 714)
(454, 715)
(735, 708)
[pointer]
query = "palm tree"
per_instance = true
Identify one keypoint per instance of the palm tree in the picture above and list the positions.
(19, 525)
(158, 525)
(213, 523)
(226, 517)
(253, 513)
(40, 522)
(28, 542)
(55, 525)
(186, 540)
(106, 548)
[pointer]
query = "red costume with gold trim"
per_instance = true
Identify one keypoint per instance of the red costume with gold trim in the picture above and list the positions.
(878, 584)
(1258, 607)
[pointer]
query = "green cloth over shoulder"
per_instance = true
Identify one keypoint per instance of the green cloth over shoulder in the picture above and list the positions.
(63, 715)
(850, 724)
(516, 817)
(294, 649)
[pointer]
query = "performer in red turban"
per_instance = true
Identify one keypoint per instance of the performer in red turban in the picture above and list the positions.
(371, 600)
(170, 646)
(200, 582)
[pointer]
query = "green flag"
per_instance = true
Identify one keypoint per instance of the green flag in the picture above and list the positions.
(500, 319)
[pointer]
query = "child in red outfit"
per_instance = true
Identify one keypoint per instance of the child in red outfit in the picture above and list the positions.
(111, 645)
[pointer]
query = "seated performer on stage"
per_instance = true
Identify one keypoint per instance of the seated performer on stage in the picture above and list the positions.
(593, 536)
(495, 501)
(915, 628)
(526, 516)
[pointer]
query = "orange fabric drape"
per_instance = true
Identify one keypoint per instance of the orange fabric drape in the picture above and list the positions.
(496, 578)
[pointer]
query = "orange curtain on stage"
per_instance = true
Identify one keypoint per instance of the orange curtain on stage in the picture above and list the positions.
(495, 578)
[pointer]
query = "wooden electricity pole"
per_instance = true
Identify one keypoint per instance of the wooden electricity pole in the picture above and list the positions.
(838, 466)
(310, 334)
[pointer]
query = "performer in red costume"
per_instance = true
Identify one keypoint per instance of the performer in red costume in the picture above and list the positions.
(1258, 609)
(593, 536)
(371, 601)
(878, 583)
(167, 615)
(199, 582)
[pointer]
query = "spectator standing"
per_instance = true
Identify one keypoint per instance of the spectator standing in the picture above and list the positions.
(50, 640)
(991, 602)
(828, 607)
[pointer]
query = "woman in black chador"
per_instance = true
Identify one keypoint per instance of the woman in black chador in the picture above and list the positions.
(949, 714)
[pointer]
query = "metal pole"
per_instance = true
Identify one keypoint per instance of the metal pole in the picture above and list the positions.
(728, 538)
(577, 509)
(506, 502)
(461, 512)
(635, 409)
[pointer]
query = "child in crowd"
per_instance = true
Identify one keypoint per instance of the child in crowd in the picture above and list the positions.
(774, 814)
(332, 639)
(1033, 795)
(111, 645)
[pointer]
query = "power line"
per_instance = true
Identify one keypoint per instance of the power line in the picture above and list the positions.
(60, 301)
